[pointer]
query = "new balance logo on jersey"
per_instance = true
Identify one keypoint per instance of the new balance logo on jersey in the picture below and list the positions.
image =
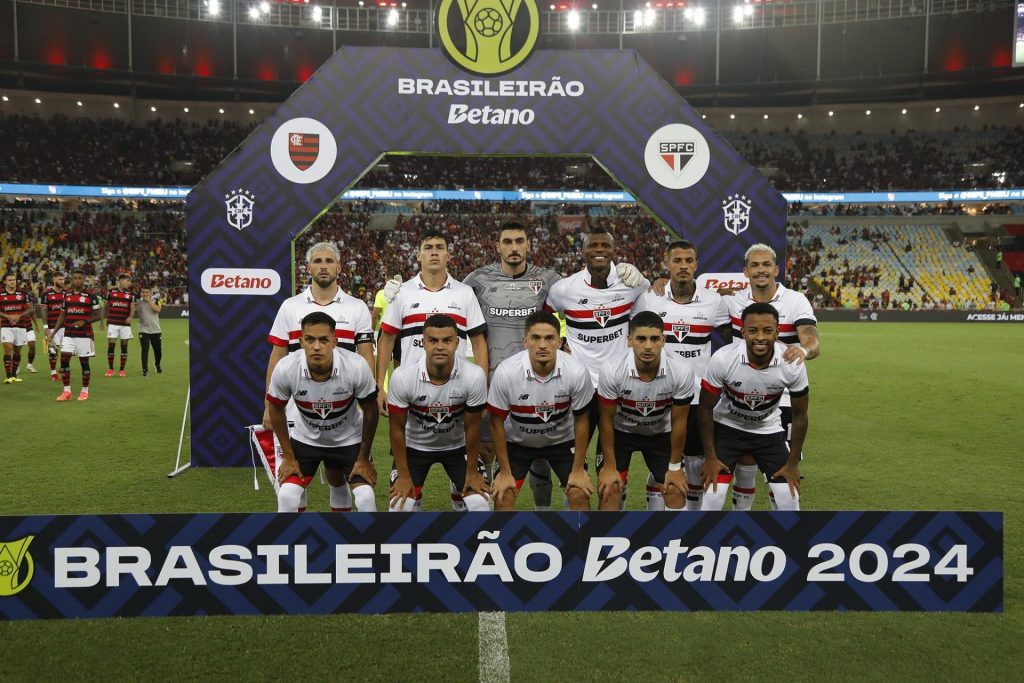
(753, 399)
(301, 392)
(421, 399)
(439, 413)
(583, 301)
(680, 330)
(523, 397)
(601, 315)
(644, 407)
(544, 411)
(737, 384)
(415, 305)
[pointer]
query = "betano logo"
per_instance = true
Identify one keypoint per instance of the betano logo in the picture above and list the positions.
(488, 37)
(16, 566)
(257, 281)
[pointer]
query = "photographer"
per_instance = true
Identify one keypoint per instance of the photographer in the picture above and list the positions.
(148, 313)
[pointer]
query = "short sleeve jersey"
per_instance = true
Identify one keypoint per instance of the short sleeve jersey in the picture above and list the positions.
(53, 300)
(435, 413)
(505, 302)
(13, 303)
(688, 326)
(79, 306)
(596, 319)
(119, 305)
(749, 398)
(645, 407)
(415, 302)
(351, 318)
(538, 411)
(328, 416)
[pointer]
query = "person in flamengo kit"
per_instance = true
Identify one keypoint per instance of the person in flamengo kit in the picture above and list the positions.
(53, 301)
(740, 414)
(120, 311)
(434, 406)
(325, 382)
(539, 403)
(15, 309)
(644, 402)
(79, 311)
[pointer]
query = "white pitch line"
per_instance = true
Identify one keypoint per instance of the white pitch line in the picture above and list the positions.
(494, 666)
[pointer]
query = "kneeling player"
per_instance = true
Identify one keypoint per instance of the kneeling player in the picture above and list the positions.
(644, 402)
(444, 394)
(532, 396)
(740, 414)
(324, 381)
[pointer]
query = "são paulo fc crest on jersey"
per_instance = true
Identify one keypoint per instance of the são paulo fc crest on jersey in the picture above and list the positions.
(535, 286)
(545, 411)
(439, 413)
(736, 208)
(645, 407)
(322, 408)
(601, 316)
(239, 206)
(303, 149)
(680, 330)
(753, 399)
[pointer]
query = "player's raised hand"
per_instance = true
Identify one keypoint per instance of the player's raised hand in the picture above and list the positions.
(288, 468)
(608, 482)
(391, 288)
(791, 473)
(795, 353)
(710, 471)
(400, 491)
(581, 480)
(629, 274)
(364, 468)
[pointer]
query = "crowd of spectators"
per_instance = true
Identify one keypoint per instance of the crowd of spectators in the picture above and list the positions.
(80, 150)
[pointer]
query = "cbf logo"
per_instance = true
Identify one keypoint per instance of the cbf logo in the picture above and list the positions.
(677, 156)
(239, 204)
(488, 37)
(16, 566)
(736, 208)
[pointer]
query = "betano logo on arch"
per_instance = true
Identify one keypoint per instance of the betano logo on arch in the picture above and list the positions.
(488, 37)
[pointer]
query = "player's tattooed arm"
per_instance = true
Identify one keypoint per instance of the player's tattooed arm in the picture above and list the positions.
(808, 348)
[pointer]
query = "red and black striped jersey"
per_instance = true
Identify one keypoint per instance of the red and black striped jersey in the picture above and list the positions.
(79, 306)
(53, 300)
(119, 305)
(13, 303)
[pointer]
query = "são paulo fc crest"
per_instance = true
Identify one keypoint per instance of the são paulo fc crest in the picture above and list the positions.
(535, 286)
(601, 315)
(303, 149)
(545, 411)
(676, 154)
(645, 407)
(736, 208)
(323, 408)
(239, 206)
(439, 413)
(680, 330)
(753, 399)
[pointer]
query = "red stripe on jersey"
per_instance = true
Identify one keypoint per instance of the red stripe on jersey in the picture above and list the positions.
(531, 410)
(276, 401)
(334, 404)
(494, 410)
(589, 314)
(714, 390)
(787, 327)
(392, 408)
(607, 401)
(739, 395)
(699, 329)
(420, 317)
(388, 329)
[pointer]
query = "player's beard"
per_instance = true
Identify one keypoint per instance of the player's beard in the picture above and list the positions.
(324, 281)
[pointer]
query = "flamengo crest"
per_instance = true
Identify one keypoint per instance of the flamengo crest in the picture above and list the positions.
(736, 208)
(239, 204)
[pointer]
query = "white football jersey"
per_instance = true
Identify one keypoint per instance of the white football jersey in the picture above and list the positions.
(646, 407)
(351, 318)
(435, 413)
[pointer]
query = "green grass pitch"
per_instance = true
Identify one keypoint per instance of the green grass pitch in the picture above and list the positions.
(912, 416)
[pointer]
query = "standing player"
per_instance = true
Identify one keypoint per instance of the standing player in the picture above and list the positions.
(740, 414)
(324, 381)
(15, 312)
(149, 329)
(53, 302)
(509, 291)
(434, 406)
(353, 329)
(539, 403)
(432, 291)
(597, 302)
(689, 315)
(797, 329)
(120, 310)
(79, 311)
(30, 325)
(644, 403)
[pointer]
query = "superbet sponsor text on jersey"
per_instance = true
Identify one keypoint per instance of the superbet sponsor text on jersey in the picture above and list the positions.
(688, 326)
(79, 307)
(645, 407)
(351, 318)
(328, 416)
(436, 412)
(505, 302)
(750, 398)
(119, 305)
(596, 319)
(415, 302)
(13, 303)
(538, 411)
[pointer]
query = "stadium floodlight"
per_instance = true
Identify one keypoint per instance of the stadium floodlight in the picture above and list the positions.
(867, 112)
(594, 6)
(393, 18)
(38, 101)
(831, 113)
(737, 14)
(977, 107)
(699, 16)
(688, 14)
(938, 109)
(116, 105)
(186, 110)
(318, 14)
(254, 13)
(799, 116)
(251, 112)
(6, 99)
(748, 10)
(903, 111)
(1020, 106)
(265, 7)
(360, 3)
(649, 16)
(552, 7)
(220, 111)
(152, 108)
(732, 117)
(79, 102)
(572, 20)
(766, 117)
(214, 7)
(703, 116)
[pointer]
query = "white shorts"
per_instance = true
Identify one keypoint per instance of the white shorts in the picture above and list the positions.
(13, 335)
(83, 347)
(119, 332)
(30, 335)
(57, 339)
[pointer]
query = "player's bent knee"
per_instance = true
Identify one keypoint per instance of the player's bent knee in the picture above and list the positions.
(784, 500)
(476, 503)
(289, 497)
(364, 499)
(578, 500)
